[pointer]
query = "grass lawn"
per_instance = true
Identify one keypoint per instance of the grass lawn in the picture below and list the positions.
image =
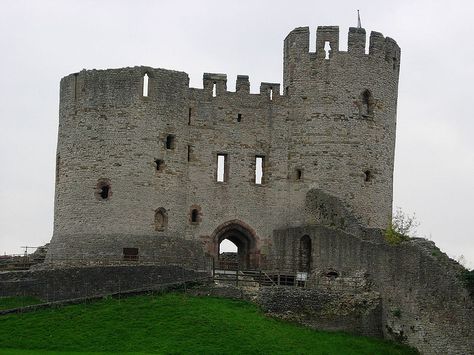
(16, 302)
(172, 324)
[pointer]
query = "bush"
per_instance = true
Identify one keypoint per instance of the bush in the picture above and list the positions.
(401, 227)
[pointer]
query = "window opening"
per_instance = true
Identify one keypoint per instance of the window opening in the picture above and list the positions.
(145, 85)
(299, 174)
(367, 103)
(189, 152)
(130, 254)
(271, 94)
(222, 172)
(194, 215)
(239, 117)
(214, 89)
(170, 142)
(103, 190)
(161, 219)
(368, 176)
(189, 116)
(287, 89)
(159, 164)
(327, 49)
(259, 160)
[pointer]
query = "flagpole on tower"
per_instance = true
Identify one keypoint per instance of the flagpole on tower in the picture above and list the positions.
(359, 25)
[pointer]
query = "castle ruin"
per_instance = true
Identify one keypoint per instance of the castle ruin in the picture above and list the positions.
(298, 177)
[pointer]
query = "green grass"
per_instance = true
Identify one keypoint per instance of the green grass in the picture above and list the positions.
(172, 324)
(16, 302)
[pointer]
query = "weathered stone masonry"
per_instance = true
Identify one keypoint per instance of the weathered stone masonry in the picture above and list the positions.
(137, 178)
(132, 168)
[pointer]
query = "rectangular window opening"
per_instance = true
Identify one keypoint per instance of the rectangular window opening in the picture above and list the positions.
(130, 253)
(222, 169)
(259, 165)
(170, 142)
(299, 174)
(239, 117)
(189, 116)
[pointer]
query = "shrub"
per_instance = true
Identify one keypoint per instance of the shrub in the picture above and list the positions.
(401, 227)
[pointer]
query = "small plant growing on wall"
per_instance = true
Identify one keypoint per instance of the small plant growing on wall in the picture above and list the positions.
(402, 227)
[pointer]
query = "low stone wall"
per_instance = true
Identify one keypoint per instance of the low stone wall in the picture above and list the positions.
(359, 313)
(76, 282)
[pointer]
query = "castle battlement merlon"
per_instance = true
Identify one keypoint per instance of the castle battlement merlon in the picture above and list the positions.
(93, 87)
(298, 41)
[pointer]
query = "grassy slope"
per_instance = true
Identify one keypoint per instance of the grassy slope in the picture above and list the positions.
(173, 324)
(16, 302)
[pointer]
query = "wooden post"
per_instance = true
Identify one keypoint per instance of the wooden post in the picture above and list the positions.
(237, 276)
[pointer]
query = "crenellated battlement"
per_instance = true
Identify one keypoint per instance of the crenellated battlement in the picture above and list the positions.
(297, 41)
(125, 85)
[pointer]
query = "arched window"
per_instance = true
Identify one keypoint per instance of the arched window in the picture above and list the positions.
(161, 219)
(195, 214)
(367, 104)
(305, 254)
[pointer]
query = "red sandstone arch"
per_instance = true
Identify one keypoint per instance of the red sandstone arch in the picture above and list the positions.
(243, 236)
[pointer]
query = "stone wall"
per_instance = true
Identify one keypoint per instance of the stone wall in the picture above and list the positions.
(357, 313)
(321, 132)
(424, 302)
(62, 284)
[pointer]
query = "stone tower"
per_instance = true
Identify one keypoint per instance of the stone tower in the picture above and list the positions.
(138, 153)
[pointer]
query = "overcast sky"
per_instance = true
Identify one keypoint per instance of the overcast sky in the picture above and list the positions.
(42, 41)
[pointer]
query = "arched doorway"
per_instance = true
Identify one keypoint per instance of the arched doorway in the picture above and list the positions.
(243, 237)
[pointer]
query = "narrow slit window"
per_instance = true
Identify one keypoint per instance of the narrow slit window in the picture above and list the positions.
(189, 116)
(327, 49)
(368, 176)
(145, 85)
(214, 89)
(239, 117)
(190, 148)
(259, 164)
(299, 174)
(222, 170)
(170, 141)
(271, 93)
(367, 108)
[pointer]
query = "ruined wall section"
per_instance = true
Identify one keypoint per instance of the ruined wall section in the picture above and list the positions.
(343, 135)
(424, 302)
